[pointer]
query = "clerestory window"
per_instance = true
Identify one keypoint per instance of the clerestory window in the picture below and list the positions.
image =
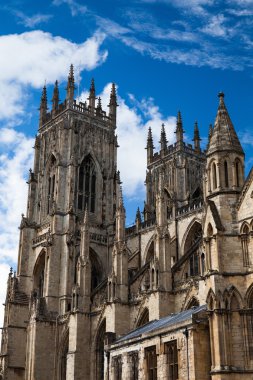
(87, 185)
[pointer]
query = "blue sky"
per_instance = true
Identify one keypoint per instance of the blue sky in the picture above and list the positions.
(164, 56)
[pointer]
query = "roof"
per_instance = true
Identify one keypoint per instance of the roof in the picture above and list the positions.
(224, 136)
(155, 325)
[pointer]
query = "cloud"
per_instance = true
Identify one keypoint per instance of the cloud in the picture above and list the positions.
(32, 21)
(29, 58)
(15, 160)
(216, 27)
(191, 6)
(75, 7)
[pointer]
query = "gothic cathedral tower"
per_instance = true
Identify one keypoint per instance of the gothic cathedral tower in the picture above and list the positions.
(64, 237)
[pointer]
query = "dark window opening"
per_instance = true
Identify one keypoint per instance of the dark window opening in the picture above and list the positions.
(226, 173)
(151, 358)
(117, 362)
(87, 185)
(172, 359)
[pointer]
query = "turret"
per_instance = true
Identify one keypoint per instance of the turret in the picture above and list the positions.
(43, 106)
(55, 99)
(163, 141)
(113, 105)
(225, 156)
(70, 87)
(150, 146)
(196, 138)
(138, 219)
(179, 129)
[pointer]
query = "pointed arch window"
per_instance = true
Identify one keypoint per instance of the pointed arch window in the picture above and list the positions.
(51, 184)
(87, 185)
(172, 359)
(214, 176)
(237, 173)
(226, 173)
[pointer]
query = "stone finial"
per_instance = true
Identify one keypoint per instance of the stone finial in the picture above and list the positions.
(43, 106)
(99, 109)
(163, 140)
(92, 94)
(55, 99)
(70, 87)
(196, 138)
(179, 128)
(113, 104)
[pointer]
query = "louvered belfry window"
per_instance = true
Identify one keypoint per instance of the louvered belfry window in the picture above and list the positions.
(87, 185)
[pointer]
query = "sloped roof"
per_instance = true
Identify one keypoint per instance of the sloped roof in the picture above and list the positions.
(224, 136)
(168, 321)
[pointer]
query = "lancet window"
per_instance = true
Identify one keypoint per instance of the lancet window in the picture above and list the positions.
(87, 185)
(151, 358)
(172, 360)
(51, 184)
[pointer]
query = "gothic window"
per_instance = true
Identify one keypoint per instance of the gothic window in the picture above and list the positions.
(245, 244)
(117, 364)
(193, 303)
(237, 173)
(100, 352)
(51, 184)
(87, 185)
(214, 176)
(144, 318)
(64, 355)
(226, 173)
(194, 264)
(172, 359)
(96, 270)
(134, 357)
(39, 275)
(250, 326)
(151, 359)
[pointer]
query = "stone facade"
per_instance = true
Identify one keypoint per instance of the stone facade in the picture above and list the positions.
(170, 297)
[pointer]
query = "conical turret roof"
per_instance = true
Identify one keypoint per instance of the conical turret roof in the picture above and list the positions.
(224, 137)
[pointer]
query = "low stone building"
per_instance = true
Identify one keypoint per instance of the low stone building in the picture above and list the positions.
(170, 297)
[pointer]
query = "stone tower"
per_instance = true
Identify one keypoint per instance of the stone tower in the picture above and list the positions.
(65, 235)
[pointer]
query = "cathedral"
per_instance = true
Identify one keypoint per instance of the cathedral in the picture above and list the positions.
(170, 297)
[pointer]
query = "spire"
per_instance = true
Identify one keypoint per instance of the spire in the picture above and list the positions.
(138, 219)
(196, 138)
(70, 87)
(43, 106)
(179, 128)
(92, 95)
(210, 132)
(55, 99)
(224, 136)
(150, 146)
(113, 104)
(163, 141)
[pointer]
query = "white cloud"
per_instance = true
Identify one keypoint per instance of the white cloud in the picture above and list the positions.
(74, 6)
(28, 59)
(15, 160)
(216, 27)
(32, 21)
